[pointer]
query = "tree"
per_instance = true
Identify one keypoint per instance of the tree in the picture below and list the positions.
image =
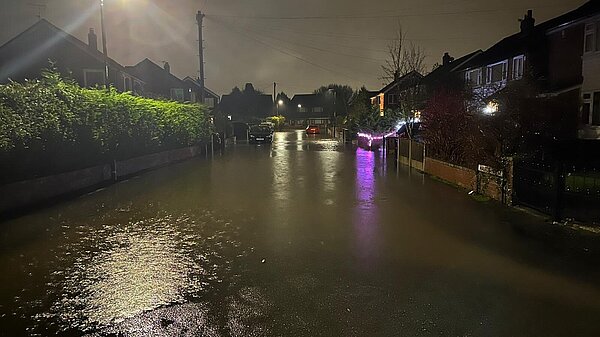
(343, 94)
(402, 58)
(451, 129)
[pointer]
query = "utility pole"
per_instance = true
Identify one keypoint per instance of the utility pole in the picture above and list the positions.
(40, 7)
(199, 19)
(104, 49)
(276, 108)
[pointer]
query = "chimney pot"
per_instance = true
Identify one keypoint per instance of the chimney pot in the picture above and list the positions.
(528, 22)
(167, 67)
(92, 39)
(446, 59)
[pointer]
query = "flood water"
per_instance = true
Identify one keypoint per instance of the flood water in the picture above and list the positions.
(304, 237)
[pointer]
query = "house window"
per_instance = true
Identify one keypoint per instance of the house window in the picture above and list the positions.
(137, 87)
(496, 72)
(93, 77)
(177, 94)
(518, 63)
(127, 83)
(590, 38)
(317, 109)
(302, 109)
(392, 99)
(473, 77)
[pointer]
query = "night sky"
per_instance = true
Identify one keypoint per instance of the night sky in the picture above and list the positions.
(300, 44)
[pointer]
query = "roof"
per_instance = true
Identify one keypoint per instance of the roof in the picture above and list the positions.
(520, 42)
(136, 69)
(45, 24)
(404, 81)
(308, 100)
(195, 83)
(263, 101)
(445, 69)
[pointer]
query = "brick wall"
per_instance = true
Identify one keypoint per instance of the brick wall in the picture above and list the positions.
(458, 175)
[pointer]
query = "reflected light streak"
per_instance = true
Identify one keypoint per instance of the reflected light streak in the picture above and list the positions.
(366, 226)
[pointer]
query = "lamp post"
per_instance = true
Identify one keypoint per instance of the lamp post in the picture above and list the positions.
(334, 109)
(104, 50)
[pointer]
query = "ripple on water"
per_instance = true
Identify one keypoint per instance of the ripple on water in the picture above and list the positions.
(118, 271)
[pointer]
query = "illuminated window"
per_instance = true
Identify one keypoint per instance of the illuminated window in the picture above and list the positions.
(317, 109)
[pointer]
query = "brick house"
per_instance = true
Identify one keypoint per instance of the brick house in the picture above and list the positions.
(388, 97)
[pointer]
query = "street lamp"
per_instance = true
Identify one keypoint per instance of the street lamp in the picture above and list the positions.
(334, 109)
(280, 102)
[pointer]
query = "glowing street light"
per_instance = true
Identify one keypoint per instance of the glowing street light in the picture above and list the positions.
(280, 102)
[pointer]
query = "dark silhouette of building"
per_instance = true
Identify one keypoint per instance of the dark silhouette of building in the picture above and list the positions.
(27, 54)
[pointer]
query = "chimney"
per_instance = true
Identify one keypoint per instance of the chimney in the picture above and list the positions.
(92, 39)
(446, 59)
(396, 75)
(528, 22)
(167, 67)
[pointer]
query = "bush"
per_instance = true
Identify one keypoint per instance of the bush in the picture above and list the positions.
(52, 125)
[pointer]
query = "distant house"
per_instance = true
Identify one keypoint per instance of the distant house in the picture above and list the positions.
(160, 83)
(388, 97)
(246, 106)
(211, 99)
(27, 54)
(313, 109)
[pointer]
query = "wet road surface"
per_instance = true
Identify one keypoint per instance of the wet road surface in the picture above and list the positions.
(304, 237)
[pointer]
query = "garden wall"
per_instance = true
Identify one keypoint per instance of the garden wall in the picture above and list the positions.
(22, 194)
(463, 177)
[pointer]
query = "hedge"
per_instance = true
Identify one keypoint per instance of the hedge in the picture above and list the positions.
(53, 125)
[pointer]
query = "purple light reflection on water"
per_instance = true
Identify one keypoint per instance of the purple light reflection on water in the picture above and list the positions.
(366, 220)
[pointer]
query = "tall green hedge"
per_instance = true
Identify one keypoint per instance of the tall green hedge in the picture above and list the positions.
(52, 125)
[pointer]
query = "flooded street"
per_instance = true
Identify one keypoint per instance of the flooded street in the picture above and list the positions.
(304, 237)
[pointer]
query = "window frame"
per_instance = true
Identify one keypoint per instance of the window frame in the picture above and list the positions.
(490, 72)
(517, 73)
(469, 78)
(590, 30)
(176, 90)
(89, 70)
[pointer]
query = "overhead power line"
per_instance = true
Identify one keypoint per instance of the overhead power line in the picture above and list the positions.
(381, 16)
(283, 51)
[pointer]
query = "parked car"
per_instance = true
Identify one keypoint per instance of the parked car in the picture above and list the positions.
(312, 130)
(260, 134)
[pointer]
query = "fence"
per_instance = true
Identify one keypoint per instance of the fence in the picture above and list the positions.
(559, 190)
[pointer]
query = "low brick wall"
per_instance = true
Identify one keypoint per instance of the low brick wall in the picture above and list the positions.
(128, 167)
(458, 175)
(28, 192)
(34, 191)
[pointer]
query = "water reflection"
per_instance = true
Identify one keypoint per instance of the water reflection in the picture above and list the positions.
(122, 270)
(366, 219)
